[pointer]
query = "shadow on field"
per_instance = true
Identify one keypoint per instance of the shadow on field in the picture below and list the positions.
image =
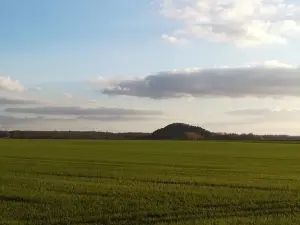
(191, 183)
(199, 212)
(18, 199)
(203, 212)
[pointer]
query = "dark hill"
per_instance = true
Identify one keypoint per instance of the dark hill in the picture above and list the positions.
(183, 131)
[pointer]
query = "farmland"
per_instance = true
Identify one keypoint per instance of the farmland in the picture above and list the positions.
(149, 182)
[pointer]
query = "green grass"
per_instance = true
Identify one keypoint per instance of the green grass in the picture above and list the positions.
(129, 182)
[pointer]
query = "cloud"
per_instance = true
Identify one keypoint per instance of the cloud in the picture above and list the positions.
(119, 118)
(244, 23)
(9, 84)
(270, 79)
(12, 120)
(78, 111)
(81, 123)
(35, 89)
(258, 120)
(7, 120)
(109, 82)
(173, 40)
(17, 101)
(68, 95)
(277, 64)
(224, 126)
(266, 115)
(43, 122)
(264, 112)
(92, 101)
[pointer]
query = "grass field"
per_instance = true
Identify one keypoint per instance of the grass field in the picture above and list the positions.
(129, 182)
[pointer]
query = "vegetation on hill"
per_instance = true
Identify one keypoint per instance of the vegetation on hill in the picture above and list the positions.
(181, 131)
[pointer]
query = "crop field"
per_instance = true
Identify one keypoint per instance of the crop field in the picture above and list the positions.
(148, 182)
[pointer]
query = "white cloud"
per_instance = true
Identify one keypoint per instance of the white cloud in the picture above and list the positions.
(68, 95)
(35, 89)
(107, 82)
(92, 101)
(271, 79)
(277, 64)
(173, 40)
(242, 22)
(9, 84)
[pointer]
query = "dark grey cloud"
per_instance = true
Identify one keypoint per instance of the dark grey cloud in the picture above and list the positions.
(78, 111)
(119, 118)
(16, 101)
(45, 122)
(11, 120)
(8, 120)
(251, 81)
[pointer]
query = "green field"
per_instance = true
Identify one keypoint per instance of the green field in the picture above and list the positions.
(142, 182)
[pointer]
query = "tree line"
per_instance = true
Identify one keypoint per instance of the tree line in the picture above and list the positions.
(135, 136)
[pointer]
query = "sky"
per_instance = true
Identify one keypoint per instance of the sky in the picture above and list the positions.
(224, 65)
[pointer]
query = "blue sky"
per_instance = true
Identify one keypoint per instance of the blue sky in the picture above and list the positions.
(81, 53)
